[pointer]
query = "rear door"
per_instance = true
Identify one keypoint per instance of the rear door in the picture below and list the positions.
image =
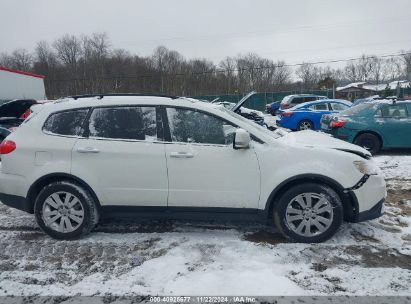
(394, 123)
(203, 168)
(122, 158)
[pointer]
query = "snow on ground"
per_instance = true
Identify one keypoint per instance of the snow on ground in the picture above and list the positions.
(124, 257)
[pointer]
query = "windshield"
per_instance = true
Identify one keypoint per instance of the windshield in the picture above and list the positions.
(252, 124)
(357, 109)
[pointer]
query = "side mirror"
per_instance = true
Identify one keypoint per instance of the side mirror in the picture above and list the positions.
(242, 139)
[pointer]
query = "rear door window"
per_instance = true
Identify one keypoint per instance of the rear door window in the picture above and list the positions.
(66, 123)
(319, 107)
(128, 123)
(393, 111)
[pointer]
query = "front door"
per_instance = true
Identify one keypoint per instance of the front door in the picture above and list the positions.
(203, 168)
(123, 158)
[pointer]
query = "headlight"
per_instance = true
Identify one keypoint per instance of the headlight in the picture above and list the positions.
(368, 167)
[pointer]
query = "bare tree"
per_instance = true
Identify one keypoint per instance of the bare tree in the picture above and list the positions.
(393, 68)
(46, 59)
(19, 59)
(87, 64)
(309, 75)
(68, 50)
(407, 64)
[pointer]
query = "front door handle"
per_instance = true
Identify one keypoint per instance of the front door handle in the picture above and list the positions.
(87, 150)
(181, 155)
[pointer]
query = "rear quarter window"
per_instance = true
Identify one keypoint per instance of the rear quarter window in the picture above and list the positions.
(68, 123)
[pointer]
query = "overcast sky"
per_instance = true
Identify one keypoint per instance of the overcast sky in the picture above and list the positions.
(291, 30)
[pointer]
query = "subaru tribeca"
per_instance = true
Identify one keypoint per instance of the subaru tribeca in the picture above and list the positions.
(79, 159)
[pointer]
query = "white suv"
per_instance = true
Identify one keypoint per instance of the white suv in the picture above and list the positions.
(79, 159)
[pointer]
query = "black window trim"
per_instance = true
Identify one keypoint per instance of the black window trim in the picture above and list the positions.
(161, 123)
(168, 139)
(81, 133)
(157, 108)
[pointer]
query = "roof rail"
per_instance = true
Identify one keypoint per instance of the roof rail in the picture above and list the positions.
(101, 96)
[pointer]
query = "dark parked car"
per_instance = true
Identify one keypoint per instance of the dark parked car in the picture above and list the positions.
(272, 108)
(293, 100)
(13, 113)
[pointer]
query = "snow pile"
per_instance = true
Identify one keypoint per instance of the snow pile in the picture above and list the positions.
(395, 167)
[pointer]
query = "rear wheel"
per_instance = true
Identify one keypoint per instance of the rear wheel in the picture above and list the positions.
(65, 210)
(309, 213)
(305, 125)
(369, 141)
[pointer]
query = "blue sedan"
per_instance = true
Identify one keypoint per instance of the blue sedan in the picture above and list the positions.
(307, 116)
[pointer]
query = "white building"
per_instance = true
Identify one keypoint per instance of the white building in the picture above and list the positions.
(21, 85)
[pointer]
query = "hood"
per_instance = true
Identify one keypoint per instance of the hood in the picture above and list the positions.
(242, 101)
(315, 139)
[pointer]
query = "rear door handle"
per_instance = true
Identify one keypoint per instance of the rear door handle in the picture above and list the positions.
(181, 155)
(87, 150)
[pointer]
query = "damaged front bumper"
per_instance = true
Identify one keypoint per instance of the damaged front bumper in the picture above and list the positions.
(367, 198)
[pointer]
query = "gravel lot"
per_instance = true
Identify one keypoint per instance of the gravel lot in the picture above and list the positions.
(124, 257)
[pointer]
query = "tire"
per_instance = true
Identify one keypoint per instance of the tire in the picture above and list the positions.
(369, 141)
(65, 210)
(299, 223)
(305, 125)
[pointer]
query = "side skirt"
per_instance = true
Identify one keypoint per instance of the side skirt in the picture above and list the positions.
(186, 213)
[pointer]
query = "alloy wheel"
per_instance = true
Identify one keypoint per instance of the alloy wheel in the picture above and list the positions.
(63, 212)
(305, 125)
(309, 214)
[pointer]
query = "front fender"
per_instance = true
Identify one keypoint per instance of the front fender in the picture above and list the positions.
(291, 163)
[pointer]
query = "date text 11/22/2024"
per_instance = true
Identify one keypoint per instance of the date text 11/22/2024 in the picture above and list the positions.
(203, 299)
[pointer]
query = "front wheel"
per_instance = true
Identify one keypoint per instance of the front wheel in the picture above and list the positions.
(308, 213)
(65, 210)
